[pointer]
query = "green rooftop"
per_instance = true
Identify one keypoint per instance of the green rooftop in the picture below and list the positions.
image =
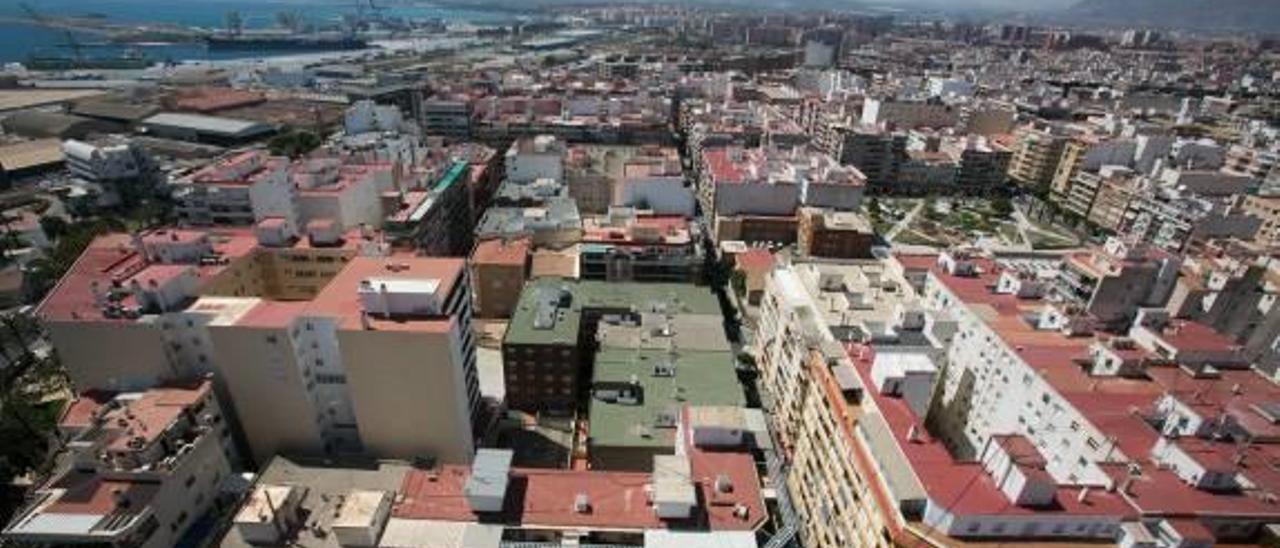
(541, 316)
(700, 378)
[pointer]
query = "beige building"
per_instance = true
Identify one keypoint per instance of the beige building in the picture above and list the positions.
(319, 350)
(808, 314)
(498, 271)
(1036, 155)
(1266, 208)
(1111, 202)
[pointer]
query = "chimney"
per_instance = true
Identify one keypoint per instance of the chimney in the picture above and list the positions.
(99, 298)
(724, 484)
(383, 300)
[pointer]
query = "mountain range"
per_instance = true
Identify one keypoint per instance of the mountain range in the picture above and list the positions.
(1247, 15)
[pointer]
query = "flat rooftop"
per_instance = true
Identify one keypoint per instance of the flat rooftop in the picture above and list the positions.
(701, 378)
(643, 297)
(326, 483)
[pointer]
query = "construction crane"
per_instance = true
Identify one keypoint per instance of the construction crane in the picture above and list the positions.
(44, 22)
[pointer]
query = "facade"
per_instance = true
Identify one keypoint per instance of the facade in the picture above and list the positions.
(1266, 209)
(240, 190)
(908, 114)
(144, 468)
(878, 155)
(833, 234)
(1036, 155)
(535, 158)
(627, 245)
(498, 271)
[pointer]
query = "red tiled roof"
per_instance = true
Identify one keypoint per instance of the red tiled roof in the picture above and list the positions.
(89, 493)
(1188, 336)
(965, 488)
(1116, 406)
(755, 259)
(545, 497)
(340, 298)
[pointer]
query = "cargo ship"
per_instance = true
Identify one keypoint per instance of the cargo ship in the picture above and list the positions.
(284, 43)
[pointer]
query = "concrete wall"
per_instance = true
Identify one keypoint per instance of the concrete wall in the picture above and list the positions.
(410, 393)
(268, 390)
(92, 353)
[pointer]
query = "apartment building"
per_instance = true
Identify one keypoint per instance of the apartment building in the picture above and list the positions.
(346, 195)
(983, 165)
(239, 190)
(1267, 210)
(1111, 283)
(629, 245)
(643, 177)
(1111, 202)
(551, 342)
(436, 219)
(983, 409)
(739, 184)
(449, 117)
(498, 270)
(809, 311)
(530, 159)
(833, 234)
(1036, 155)
(319, 347)
(908, 114)
(877, 154)
(1085, 188)
(705, 493)
(142, 469)
(1088, 154)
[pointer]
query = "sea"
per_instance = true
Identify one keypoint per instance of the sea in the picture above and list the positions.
(18, 40)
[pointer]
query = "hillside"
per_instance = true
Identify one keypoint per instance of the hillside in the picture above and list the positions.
(1252, 15)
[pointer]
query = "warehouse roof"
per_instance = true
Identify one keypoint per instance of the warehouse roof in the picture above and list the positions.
(229, 127)
(30, 154)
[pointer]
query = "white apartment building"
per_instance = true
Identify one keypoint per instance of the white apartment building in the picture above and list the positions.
(328, 190)
(144, 467)
(531, 159)
(240, 190)
(367, 116)
(104, 162)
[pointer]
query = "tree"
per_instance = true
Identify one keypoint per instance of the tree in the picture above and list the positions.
(54, 227)
(1002, 207)
(294, 144)
(45, 271)
(739, 282)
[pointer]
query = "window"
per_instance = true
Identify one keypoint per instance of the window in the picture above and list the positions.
(190, 481)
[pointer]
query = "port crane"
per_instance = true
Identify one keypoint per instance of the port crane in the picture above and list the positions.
(40, 20)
